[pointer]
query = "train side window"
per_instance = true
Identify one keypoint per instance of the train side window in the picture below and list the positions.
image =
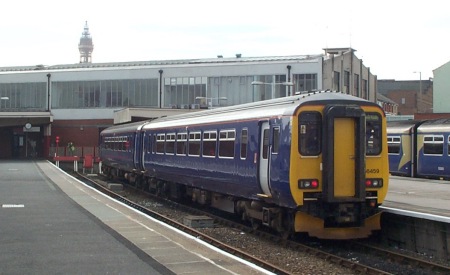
(373, 134)
(394, 145)
(433, 145)
(209, 143)
(128, 144)
(310, 133)
(448, 145)
(244, 142)
(153, 139)
(181, 144)
(265, 144)
(170, 144)
(226, 143)
(276, 140)
(160, 139)
(115, 144)
(194, 144)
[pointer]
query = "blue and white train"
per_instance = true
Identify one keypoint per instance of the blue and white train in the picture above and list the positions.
(419, 148)
(314, 163)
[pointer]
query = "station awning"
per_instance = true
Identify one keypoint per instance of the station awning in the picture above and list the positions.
(22, 118)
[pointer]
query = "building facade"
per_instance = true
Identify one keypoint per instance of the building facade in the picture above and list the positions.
(441, 80)
(76, 101)
(412, 96)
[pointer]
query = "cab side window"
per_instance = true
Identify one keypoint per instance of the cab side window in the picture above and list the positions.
(373, 134)
(310, 133)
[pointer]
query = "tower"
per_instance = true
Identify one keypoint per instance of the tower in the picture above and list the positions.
(86, 47)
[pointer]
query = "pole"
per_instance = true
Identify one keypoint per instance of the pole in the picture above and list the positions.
(48, 92)
(160, 88)
(420, 91)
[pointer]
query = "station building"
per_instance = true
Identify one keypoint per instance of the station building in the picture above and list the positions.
(75, 102)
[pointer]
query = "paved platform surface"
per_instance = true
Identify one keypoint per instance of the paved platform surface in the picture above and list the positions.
(431, 197)
(52, 224)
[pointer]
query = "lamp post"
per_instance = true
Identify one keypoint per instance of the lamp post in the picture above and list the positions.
(420, 91)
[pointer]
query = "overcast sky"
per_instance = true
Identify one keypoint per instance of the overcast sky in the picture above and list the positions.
(394, 38)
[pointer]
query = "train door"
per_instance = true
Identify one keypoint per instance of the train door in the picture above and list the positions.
(343, 153)
(264, 154)
(136, 139)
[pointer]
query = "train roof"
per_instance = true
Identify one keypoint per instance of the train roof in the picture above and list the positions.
(128, 127)
(433, 126)
(402, 126)
(285, 106)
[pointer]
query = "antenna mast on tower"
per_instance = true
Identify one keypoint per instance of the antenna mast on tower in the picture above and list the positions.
(86, 47)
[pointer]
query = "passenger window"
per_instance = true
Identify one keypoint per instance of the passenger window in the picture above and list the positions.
(433, 145)
(265, 144)
(394, 145)
(448, 145)
(181, 144)
(194, 144)
(276, 140)
(209, 144)
(226, 143)
(244, 141)
(170, 144)
(373, 134)
(160, 139)
(310, 133)
(153, 138)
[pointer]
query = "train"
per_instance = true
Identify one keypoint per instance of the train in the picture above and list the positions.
(419, 148)
(314, 163)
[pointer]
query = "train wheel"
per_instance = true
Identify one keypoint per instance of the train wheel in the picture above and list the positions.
(255, 223)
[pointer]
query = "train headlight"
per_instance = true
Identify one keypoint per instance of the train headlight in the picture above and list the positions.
(374, 183)
(308, 184)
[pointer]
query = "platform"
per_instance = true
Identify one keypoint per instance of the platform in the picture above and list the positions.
(427, 198)
(52, 223)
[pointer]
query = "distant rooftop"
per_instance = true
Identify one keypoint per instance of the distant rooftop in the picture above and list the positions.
(218, 60)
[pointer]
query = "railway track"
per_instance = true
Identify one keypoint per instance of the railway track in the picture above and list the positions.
(382, 261)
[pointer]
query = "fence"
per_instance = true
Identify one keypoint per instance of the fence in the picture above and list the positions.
(79, 151)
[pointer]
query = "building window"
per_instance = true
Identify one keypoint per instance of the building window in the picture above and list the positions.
(23, 97)
(365, 89)
(305, 82)
(346, 82)
(105, 93)
(336, 81)
(356, 84)
(184, 92)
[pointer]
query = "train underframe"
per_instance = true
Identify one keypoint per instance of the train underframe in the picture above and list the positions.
(340, 221)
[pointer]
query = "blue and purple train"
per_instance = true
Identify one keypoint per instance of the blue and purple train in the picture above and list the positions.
(419, 148)
(315, 163)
